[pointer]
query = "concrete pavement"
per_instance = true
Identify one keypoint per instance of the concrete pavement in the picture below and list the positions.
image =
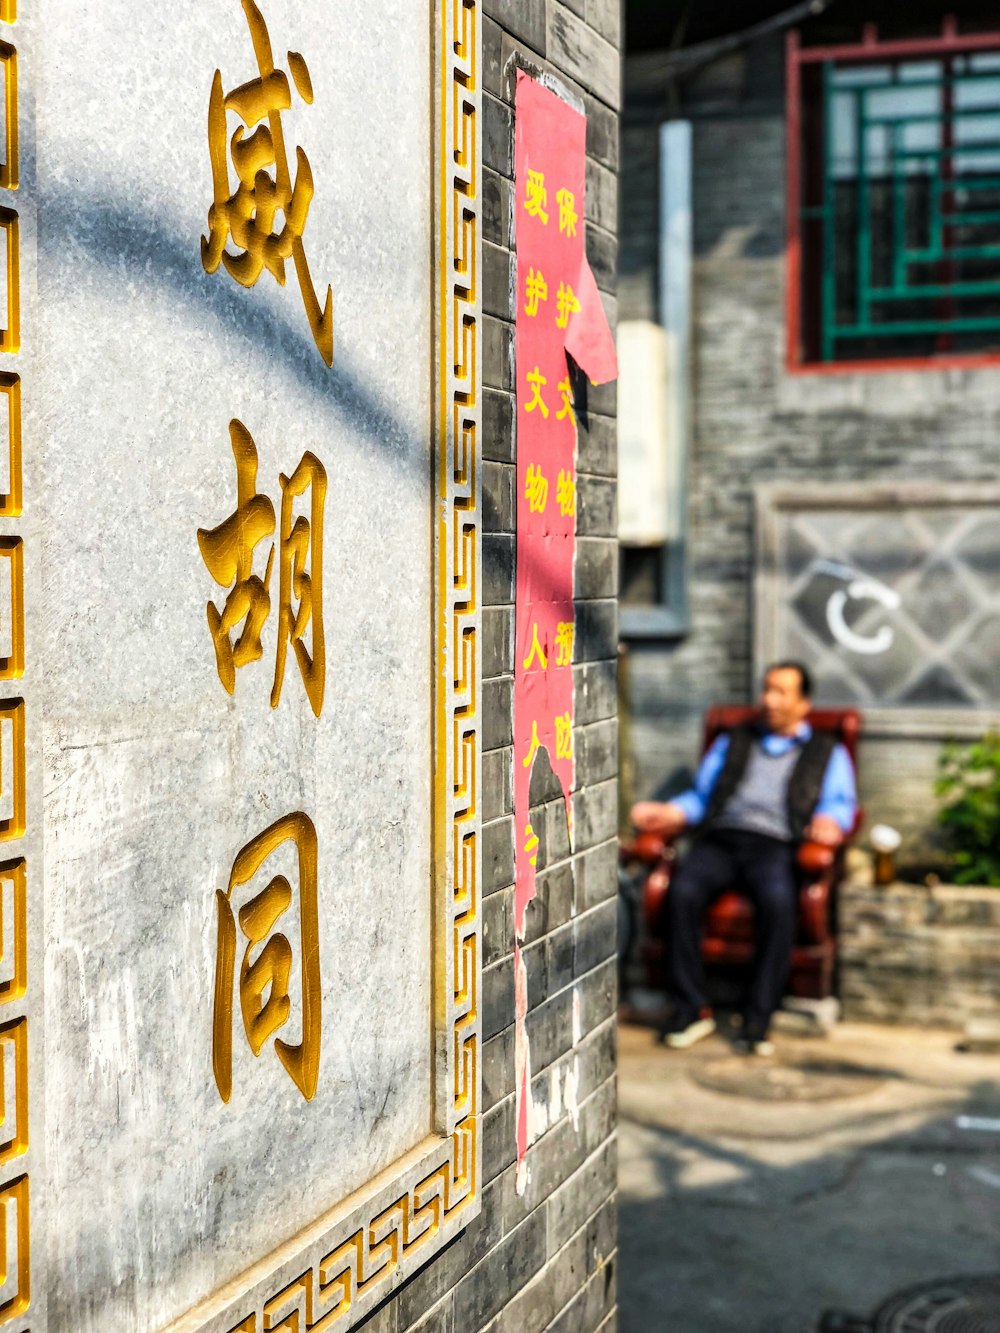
(755, 1195)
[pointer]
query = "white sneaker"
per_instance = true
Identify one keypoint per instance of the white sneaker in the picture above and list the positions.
(681, 1037)
(753, 1044)
(762, 1048)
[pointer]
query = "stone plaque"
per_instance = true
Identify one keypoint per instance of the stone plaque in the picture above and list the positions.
(239, 646)
(891, 594)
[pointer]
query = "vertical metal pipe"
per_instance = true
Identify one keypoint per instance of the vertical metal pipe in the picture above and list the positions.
(675, 316)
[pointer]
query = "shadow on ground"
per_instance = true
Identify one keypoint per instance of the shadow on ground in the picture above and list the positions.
(747, 1205)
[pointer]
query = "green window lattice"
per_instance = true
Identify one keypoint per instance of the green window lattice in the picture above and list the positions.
(901, 222)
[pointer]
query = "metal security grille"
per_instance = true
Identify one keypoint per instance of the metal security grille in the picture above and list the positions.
(896, 201)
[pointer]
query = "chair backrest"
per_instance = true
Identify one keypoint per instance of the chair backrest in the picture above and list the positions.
(845, 723)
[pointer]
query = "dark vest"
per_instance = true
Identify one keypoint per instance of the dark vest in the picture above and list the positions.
(804, 785)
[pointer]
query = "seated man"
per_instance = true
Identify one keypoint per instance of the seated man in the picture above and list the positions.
(759, 792)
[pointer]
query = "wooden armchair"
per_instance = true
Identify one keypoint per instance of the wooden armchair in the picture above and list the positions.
(729, 932)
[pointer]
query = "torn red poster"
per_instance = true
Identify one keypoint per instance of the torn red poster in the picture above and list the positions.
(522, 1067)
(558, 310)
(589, 340)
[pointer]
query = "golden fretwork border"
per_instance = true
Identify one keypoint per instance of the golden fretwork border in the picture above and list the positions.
(16, 875)
(349, 1260)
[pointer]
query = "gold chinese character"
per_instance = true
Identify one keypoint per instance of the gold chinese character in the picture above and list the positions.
(268, 973)
(567, 303)
(536, 489)
(566, 393)
(248, 215)
(564, 736)
(565, 634)
(536, 379)
(301, 579)
(536, 650)
(536, 196)
(566, 493)
(535, 290)
(531, 844)
(228, 551)
(567, 212)
(533, 747)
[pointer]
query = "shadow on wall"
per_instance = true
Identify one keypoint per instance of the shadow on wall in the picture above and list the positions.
(141, 248)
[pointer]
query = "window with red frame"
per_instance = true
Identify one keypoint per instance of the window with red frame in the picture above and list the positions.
(894, 201)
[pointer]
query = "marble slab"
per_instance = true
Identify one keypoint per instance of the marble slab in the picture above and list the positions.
(145, 776)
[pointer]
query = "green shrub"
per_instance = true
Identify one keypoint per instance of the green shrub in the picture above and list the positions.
(968, 785)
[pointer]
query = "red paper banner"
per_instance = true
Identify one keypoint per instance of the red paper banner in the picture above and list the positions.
(558, 311)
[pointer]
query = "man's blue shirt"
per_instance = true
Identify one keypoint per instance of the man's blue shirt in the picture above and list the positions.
(838, 795)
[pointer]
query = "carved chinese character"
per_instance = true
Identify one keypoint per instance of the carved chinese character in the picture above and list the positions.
(228, 551)
(248, 214)
(300, 594)
(267, 959)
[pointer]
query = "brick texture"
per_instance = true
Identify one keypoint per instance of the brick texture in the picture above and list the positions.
(544, 1261)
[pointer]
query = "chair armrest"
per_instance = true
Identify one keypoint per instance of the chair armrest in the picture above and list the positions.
(816, 858)
(646, 847)
(814, 911)
(818, 865)
(655, 885)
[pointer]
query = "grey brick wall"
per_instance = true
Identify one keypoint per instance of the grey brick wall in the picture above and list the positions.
(544, 1262)
(918, 955)
(754, 423)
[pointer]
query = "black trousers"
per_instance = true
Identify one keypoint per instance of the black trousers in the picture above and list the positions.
(765, 869)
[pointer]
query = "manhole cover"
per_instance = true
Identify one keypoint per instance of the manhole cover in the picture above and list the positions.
(780, 1081)
(955, 1305)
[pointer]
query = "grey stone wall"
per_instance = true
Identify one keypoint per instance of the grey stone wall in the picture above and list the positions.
(544, 1261)
(755, 423)
(916, 954)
